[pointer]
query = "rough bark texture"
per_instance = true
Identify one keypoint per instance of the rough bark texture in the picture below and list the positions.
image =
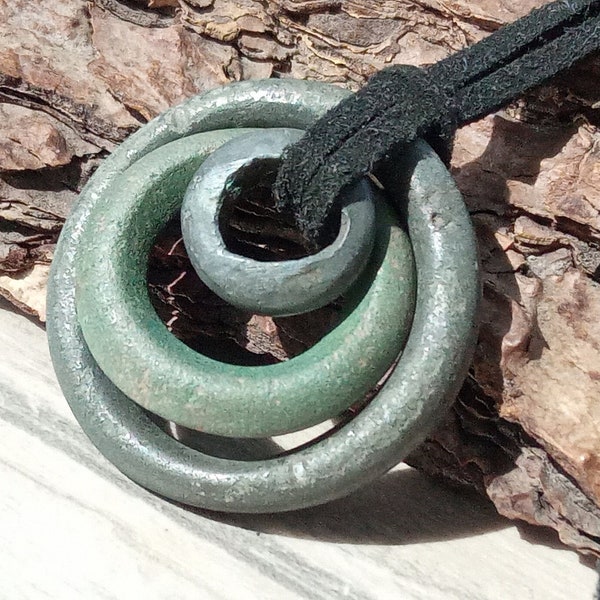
(77, 77)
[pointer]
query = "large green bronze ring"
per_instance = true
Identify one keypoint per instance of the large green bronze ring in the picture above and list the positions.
(429, 373)
(140, 356)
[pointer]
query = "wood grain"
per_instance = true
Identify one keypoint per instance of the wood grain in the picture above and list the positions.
(74, 527)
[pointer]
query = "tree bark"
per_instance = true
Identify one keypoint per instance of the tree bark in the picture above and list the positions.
(76, 78)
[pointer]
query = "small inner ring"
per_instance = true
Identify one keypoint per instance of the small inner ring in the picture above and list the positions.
(267, 287)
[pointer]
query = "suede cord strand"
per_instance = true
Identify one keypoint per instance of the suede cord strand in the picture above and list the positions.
(401, 103)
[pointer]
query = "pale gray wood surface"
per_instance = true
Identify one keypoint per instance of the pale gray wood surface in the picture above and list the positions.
(74, 527)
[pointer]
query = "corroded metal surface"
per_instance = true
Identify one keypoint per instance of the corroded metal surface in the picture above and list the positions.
(426, 379)
(277, 288)
(139, 355)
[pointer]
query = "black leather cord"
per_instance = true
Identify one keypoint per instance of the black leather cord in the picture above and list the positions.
(402, 103)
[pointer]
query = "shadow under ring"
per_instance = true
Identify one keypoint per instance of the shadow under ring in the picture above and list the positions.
(432, 367)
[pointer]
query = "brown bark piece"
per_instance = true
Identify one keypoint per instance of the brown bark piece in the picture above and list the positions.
(567, 187)
(486, 14)
(77, 77)
(563, 368)
(150, 69)
(27, 290)
(162, 3)
(45, 53)
(31, 139)
(537, 491)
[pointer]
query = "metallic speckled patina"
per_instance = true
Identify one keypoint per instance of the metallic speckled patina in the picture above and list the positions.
(139, 355)
(426, 380)
(277, 288)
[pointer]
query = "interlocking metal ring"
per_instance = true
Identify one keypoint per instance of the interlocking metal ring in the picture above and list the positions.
(276, 288)
(152, 367)
(431, 368)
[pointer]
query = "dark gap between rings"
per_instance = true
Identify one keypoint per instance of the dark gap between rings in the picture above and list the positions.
(211, 326)
(208, 324)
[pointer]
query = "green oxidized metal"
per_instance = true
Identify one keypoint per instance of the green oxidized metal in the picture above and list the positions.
(429, 373)
(140, 356)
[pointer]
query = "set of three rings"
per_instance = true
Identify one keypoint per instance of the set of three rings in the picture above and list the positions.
(412, 299)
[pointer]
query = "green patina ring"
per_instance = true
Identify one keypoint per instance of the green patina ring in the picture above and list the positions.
(276, 288)
(417, 394)
(152, 367)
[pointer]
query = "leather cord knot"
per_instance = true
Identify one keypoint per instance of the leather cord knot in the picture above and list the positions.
(398, 105)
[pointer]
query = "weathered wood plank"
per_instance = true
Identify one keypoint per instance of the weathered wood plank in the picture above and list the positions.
(74, 527)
